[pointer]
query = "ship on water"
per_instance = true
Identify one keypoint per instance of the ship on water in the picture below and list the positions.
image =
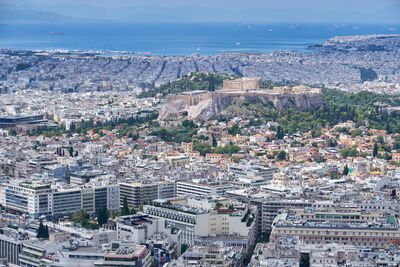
(56, 33)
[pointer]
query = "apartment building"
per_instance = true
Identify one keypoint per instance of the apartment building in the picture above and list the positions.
(200, 223)
(139, 193)
(377, 230)
(27, 197)
(201, 189)
(37, 198)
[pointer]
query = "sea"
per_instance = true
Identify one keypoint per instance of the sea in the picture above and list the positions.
(178, 39)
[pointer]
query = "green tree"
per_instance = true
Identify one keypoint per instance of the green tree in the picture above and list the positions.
(103, 215)
(349, 152)
(42, 232)
(184, 247)
(356, 132)
(375, 151)
(331, 142)
(380, 140)
(304, 260)
(345, 170)
(12, 132)
(279, 132)
(214, 141)
(234, 130)
(125, 207)
(281, 155)
(396, 145)
(218, 205)
(71, 151)
(46, 232)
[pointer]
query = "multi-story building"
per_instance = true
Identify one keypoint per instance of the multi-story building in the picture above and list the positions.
(10, 247)
(140, 228)
(139, 193)
(242, 171)
(184, 220)
(28, 197)
(177, 161)
(37, 198)
(125, 253)
(220, 224)
(201, 189)
(376, 229)
(33, 254)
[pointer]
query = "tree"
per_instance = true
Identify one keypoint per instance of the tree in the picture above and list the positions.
(356, 132)
(380, 140)
(279, 132)
(234, 130)
(375, 151)
(214, 141)
(12, 132)
(304, 260)
(102, 215)
(71, 151)
(125, 207)
(281, 155)
(42, 232)
(218, 205)
(46, 232)
(331, 142)
(345, 170)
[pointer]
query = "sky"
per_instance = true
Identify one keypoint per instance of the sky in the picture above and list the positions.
(243, 11)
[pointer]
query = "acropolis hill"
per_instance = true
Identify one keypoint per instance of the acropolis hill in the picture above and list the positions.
(202, 106)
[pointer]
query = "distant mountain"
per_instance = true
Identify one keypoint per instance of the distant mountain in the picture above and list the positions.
(28, 16)
(24, 10)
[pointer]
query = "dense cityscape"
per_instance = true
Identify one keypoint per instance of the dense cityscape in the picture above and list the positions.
(124, 158)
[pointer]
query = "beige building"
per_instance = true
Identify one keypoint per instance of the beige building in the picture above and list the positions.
(187, 148)
(244, 83)
(177, 161)
(375, 229)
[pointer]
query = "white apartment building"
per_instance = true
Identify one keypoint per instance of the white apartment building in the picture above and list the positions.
(37, 198)
(201, 189)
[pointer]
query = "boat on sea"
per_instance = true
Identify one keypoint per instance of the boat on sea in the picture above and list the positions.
(56, 33)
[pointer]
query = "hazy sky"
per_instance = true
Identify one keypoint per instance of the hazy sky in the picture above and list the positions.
(363, 11)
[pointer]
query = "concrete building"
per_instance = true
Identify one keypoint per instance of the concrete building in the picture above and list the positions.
(10, 247)
(201, 189)
(28, 197)
(123, 253)
(138, 193)
(377, 230)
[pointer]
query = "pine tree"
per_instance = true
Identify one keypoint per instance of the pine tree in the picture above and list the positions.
(102, 215)
(214, 141)
(375, 152)
(279, 132)
(41, 232)
(345, 170)
(125, 207)
(46, 232)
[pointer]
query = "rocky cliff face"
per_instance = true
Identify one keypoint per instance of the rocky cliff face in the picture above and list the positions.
(204, 106)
